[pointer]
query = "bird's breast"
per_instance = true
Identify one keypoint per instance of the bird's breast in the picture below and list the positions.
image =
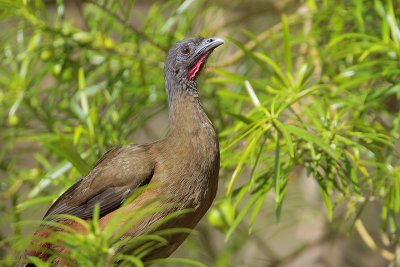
(189, 168)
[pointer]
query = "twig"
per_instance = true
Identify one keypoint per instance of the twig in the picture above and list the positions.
(292, 256)
(366, 237)
(271, 8)
(126, 24)
(262, 36)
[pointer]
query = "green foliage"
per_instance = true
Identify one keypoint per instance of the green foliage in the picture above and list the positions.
(73, 94)
(319, 96)
(319, 91)
(95, 245)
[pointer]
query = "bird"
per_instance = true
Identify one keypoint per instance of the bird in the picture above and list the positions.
(183, 166)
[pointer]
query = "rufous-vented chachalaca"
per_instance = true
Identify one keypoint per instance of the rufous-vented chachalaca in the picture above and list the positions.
(183, 166)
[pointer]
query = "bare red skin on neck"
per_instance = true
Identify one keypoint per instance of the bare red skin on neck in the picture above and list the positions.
(196, 67)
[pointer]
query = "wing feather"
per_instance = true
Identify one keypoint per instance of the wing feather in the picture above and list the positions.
(114, 177)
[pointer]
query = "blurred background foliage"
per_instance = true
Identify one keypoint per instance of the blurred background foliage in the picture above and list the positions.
(304, 96)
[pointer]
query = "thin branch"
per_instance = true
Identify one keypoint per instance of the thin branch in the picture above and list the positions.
(261, 37)
(369, 241)
(126, 24)
(295, 254)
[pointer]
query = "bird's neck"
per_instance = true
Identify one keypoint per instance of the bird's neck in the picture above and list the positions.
(186, 114)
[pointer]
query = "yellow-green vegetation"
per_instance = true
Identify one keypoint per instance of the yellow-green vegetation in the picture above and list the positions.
(313, 96)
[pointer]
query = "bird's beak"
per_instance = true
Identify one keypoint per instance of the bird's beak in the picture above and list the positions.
(207, 46)
(201, 54)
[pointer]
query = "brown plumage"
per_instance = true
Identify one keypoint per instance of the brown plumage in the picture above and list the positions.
(184, 165)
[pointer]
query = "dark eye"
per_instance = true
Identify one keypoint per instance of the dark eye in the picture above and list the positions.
(185, 50)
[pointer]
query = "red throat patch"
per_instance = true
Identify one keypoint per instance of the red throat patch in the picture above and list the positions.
(196, 67)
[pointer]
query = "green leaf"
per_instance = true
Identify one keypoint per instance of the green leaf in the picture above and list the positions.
(277, 168)
(177, 261)
(312, 138)
(286, 44)
(250, 54)
(38, 262)
(45, 200)
(240, 117)
(67, 151)
(241, 164)
(396, 193)
(130, 259)
(242, 214)
(255, 212)
(328, 203)
(275, 67)
(231, 77)
(286, 135)
(278, 209)
(256, 161)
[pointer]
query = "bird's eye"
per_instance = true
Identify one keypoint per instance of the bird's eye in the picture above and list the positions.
(185, 50)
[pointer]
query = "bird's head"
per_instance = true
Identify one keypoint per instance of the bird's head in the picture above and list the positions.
(186, 59)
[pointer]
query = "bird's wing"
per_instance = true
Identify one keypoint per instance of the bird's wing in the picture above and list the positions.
(113, 178)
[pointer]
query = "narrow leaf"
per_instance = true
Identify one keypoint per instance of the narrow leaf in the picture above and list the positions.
(286, 44)
(286, 135)
(328, 203)
(312, 138)
(242, 214)
(67, 151)
(277, 168)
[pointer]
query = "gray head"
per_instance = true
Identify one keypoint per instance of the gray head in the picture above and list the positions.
(186, 59)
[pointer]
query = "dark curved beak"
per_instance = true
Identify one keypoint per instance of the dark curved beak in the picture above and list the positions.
(208, 45)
